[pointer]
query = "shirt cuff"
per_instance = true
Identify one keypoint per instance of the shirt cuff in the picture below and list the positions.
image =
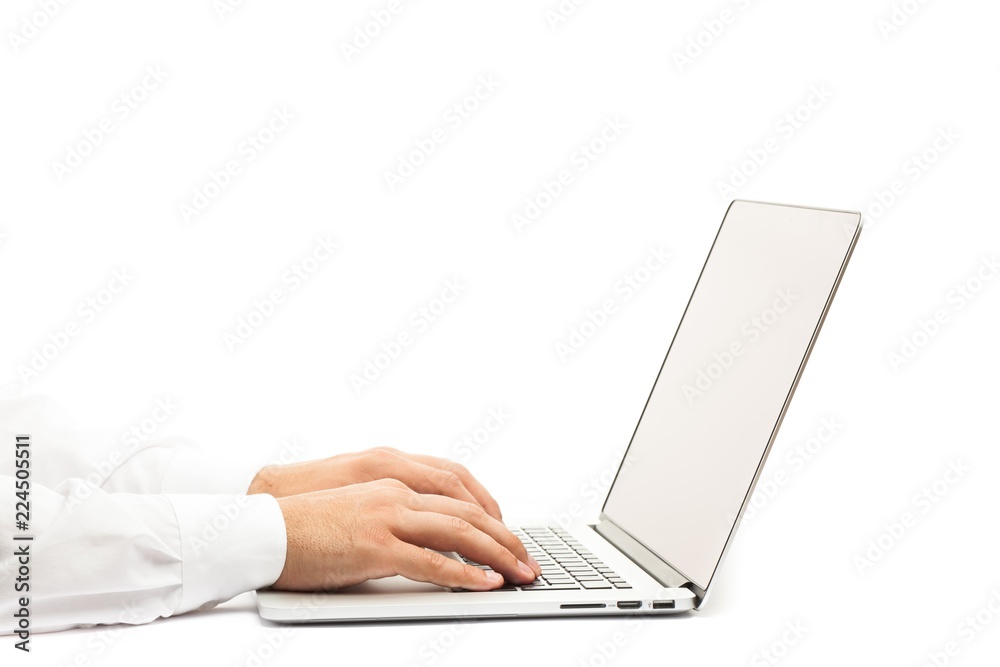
(191, 471)
(229, 544)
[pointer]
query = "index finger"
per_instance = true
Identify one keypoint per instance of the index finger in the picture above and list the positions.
(474, 486)
(423, 478)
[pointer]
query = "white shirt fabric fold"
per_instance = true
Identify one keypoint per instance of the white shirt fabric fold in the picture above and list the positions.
(127, 532)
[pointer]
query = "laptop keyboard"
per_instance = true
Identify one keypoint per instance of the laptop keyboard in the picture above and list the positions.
(566, 564)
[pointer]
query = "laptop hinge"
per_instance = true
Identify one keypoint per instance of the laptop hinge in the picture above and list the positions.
(655, 566)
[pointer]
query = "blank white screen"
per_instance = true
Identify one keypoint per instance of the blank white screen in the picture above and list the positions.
(694, 455)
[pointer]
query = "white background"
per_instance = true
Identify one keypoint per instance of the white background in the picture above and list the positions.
(886, 96)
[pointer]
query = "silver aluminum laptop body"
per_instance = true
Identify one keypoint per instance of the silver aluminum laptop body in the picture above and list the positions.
(700, 444)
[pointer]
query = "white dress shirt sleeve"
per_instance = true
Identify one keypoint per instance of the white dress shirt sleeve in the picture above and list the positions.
(162, 531)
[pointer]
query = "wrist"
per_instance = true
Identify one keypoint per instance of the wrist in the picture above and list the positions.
(265, 481)
(289, 571)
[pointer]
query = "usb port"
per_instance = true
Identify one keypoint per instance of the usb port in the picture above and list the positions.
(631, 604)
(663, 604)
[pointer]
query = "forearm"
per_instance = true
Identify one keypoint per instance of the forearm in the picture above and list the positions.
(126, 558)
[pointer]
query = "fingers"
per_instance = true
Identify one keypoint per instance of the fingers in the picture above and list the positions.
(419, 564)
(475, 516)
(456, 470)
(340, 537)
(423, 478)
(449, 533)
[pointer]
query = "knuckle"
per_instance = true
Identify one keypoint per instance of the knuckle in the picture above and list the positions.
(427, 561)
(379, 535)
(459, 525)
(380, 455)
(456, 469)
(474, 512)
(450, 480)
(432, 559)
(385, 454)
(389, 501)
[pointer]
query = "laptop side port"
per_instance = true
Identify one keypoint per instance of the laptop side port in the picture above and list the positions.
(630, 604)
(584, 605)
(664, 604)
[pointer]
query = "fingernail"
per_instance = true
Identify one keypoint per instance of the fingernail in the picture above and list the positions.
(527, 571)
(494, 577)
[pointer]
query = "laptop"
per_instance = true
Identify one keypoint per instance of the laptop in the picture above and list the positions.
(698, 450)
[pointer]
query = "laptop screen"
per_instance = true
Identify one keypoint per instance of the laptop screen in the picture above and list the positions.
(727, 377)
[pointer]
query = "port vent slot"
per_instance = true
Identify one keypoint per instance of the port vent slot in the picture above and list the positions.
(663, 604)
(585, 605)
(630, 604)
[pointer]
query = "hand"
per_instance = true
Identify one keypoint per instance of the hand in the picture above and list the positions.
(423, 474)
(378, 529)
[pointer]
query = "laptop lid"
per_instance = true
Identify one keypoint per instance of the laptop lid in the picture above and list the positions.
(725, 385)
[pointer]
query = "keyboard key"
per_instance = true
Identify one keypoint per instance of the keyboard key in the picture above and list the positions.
(565, 563)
